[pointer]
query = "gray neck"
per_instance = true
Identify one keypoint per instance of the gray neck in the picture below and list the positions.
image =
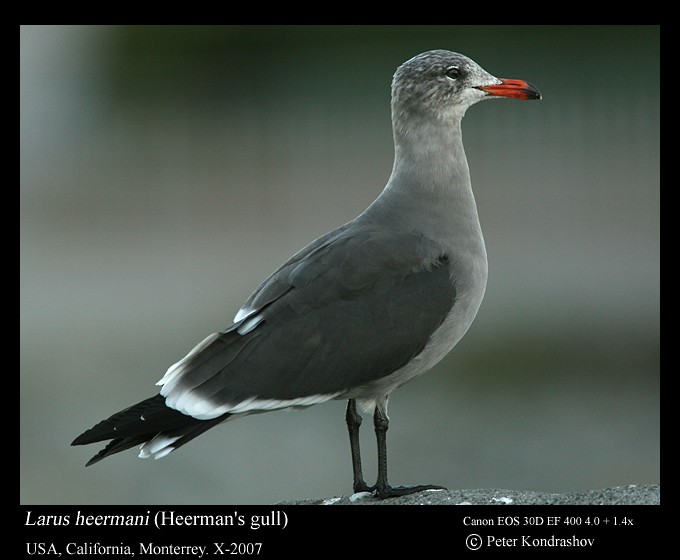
(429, 191)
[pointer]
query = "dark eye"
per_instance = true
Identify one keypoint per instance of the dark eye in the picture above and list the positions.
(453, 72)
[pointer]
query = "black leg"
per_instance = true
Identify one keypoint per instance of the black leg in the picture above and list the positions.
(382, 488)
(353, 419)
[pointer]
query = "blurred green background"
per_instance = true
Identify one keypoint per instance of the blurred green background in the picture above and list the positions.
(166, 171)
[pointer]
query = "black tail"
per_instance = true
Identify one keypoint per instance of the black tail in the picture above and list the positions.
(142, 422)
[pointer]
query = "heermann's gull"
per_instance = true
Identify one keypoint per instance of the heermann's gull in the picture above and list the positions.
(361, 310)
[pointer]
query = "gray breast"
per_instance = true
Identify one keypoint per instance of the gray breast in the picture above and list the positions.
(468, 275)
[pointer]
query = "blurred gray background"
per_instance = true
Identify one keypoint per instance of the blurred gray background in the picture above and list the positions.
(166, 171)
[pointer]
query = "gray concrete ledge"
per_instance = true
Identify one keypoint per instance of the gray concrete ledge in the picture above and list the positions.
(633, 494)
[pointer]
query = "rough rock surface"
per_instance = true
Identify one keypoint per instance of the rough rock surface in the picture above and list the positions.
(633, 494)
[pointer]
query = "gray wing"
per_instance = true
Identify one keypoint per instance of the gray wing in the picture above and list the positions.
(352, 307)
